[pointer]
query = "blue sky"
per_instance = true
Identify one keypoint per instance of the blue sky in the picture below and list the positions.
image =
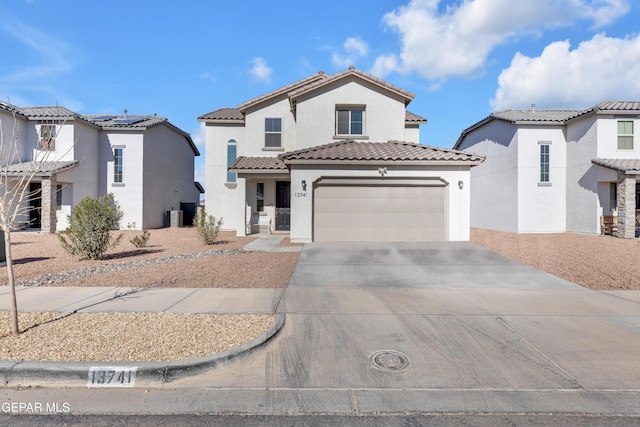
(462, 59)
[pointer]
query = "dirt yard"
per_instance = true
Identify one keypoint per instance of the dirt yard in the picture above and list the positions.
(596, 262)
(174, 257)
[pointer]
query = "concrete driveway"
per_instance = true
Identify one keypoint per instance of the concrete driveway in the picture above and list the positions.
(447, 327)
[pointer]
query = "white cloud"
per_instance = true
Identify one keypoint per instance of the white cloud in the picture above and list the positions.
(354, 49)
(260, 71)
(56, 56)
(441, 42)
(599, 69)
(208, 76)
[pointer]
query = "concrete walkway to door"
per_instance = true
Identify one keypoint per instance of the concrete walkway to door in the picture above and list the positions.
(481, 333)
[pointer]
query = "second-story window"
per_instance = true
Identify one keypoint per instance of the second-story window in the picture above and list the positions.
(47, 137)
(350, 120)
(273, 132)
(118, 158)
(231, 157)
(625, 135)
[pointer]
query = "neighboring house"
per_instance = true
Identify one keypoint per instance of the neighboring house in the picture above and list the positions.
(550, 171)
(334, 158)
(145, 161)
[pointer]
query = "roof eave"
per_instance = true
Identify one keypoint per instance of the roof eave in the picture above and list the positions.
(386, 162)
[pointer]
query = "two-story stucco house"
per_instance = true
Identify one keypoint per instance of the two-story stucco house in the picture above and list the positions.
(145, 161)
(334, 158)
(556, 170)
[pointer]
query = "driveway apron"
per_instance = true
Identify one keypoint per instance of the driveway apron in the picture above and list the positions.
(439, 327)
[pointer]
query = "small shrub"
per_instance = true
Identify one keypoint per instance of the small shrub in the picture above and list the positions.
(208, 227)
(90, 224)
(141, 241)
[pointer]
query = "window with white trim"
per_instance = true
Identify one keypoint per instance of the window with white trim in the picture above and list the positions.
(47, 137)
(625, 134)
(544, 162)
(350, 120)
(118, 163)
(273, 132)
(231, 157)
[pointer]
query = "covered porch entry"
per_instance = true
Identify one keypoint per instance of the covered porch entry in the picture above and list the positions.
(624, 195)
(264, 196)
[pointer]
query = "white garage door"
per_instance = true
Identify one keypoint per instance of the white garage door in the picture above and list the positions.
(379, 212)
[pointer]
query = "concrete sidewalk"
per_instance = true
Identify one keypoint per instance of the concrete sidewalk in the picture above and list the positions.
(127, 299)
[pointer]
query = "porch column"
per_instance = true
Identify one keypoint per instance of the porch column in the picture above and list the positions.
(626, 206)
(241, 203)
(48, 206)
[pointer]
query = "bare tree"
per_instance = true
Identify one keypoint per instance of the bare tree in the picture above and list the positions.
(19, 165)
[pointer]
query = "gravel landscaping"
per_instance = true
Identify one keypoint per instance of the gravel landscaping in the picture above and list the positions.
(595, 262)
(174, 257)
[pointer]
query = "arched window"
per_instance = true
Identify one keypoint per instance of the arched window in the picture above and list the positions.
(231, 157)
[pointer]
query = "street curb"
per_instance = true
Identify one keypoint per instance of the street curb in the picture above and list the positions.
(76, 374)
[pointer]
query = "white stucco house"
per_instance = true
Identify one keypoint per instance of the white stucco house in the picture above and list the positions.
(334, 158)
(550, 171)
(144, 160)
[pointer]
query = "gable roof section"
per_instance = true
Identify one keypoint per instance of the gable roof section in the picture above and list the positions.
(351, 72)
(628, 166)
(139, 122)
(391, 151)
(308, 81)
(551, 117)
(306, 85)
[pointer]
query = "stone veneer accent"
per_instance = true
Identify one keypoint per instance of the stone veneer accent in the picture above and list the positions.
(626, 206)
(48, 207)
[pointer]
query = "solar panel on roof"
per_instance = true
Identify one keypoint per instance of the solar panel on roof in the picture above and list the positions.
(103, 118)
(128, 120)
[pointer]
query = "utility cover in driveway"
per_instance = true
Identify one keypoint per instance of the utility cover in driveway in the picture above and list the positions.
(379, 212)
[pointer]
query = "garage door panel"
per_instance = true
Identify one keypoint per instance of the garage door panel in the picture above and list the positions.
(342, 234)
(379, 213)
(387, 220)
(381, 206)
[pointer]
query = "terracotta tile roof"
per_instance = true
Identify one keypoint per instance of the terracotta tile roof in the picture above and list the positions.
(551, 117)
(617, 106)
(49, 113)
(224, 115)
(621, 165)
(39, 168)
(349, 150)
(410, 117)
(536, 116)
(307, 81)
(141, 122)
(258, 164)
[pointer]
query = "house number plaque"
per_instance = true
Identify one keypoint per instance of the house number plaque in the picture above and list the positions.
(301, 194)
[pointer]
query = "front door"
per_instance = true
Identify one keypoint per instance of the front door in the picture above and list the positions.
(283, 205)
(35, 205)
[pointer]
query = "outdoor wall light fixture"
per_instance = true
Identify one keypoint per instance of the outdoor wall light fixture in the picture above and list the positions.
(460, 184)
(304, 185)
(382, 171)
